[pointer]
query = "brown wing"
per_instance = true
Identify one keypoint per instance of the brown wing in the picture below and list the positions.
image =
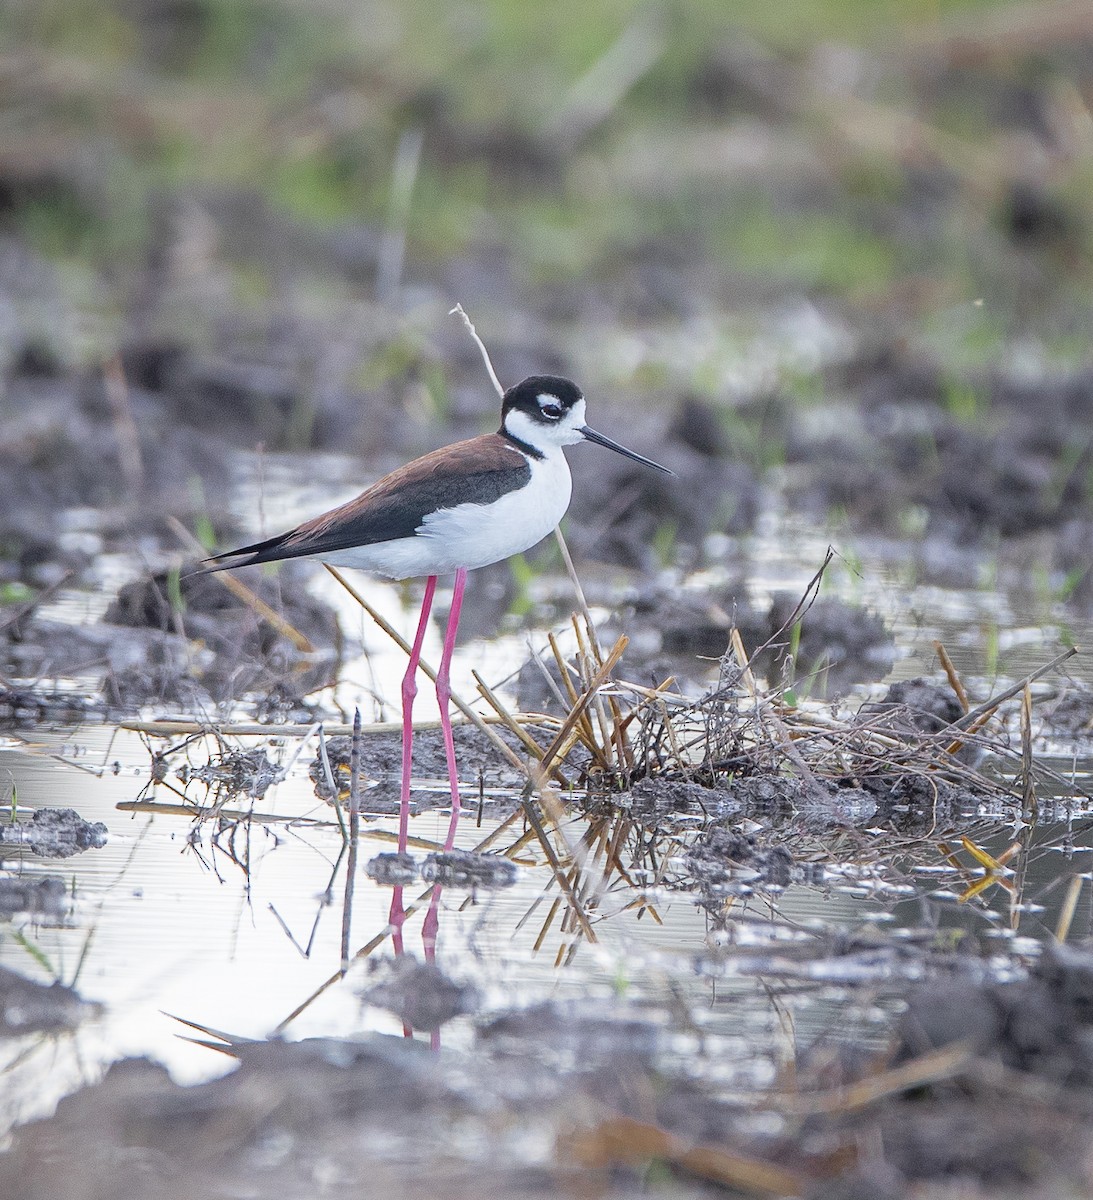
(477, 471)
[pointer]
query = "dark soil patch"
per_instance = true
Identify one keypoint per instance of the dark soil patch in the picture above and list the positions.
(478, 760)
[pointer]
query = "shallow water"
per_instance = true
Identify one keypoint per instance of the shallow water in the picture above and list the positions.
(206, 924)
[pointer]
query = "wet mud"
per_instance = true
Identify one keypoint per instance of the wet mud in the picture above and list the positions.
(381, 768)
(981, 1082)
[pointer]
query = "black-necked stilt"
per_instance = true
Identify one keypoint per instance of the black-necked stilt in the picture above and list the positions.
(464, 506)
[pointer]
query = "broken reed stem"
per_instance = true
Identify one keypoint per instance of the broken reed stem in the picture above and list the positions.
(624, 1141)
(1069, 907)
(988, 709)
(335, 797)
(126, 434)
(978, 717)
(747, 678)
(602, 749)
(241, 592)
(168, 728)
(583, 728)
(945, 1063)
(951, 674)
(594, 641)
(578, 591)
(514, 727)
(563, 669)
(1030, 804)
(597, 681)
(354, 830)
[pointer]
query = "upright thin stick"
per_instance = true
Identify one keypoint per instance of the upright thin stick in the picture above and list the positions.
(354, 830)
(468, 324)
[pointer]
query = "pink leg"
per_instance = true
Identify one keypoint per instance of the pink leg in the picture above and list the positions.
(444, 695)
(409, 691)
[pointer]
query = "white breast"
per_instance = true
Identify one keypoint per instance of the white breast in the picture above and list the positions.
(473, 535)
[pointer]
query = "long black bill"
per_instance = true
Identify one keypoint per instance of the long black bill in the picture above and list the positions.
(592, 436)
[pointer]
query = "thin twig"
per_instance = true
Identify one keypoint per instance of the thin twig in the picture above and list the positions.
(335, 792)
(468, 324)
(951, 674)
(125, 427)
(354, 829)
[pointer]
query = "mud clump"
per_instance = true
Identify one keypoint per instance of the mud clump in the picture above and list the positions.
(392, 870)
(1042, 1025)
(199, 603)
(55, 833)
(241, 653)
(466, 869)
(655, 800)
(917, 804)
(839, 644)
(46, 896)
(912, 707)
(419, 994)
(724, 862)
(30, 1007)
(381, 759)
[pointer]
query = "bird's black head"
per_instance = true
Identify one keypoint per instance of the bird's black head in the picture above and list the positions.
(545, 412)
(542, 413)
(546, 399)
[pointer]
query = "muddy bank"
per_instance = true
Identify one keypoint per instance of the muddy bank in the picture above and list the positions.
(981, 1082)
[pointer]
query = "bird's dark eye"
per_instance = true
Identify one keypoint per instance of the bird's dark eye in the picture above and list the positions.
(551, 410)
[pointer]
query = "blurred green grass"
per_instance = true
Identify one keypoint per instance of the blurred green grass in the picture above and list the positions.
(112, 106)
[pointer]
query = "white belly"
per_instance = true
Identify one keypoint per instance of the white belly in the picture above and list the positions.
(472, 535)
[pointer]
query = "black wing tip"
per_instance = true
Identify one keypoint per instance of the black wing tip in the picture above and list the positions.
(271, 550)
(220, 562)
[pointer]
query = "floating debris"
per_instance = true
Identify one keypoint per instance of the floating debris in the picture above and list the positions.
(239, 773)
(55, 833)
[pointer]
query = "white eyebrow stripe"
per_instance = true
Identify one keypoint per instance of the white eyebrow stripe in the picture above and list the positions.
(545, 398)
